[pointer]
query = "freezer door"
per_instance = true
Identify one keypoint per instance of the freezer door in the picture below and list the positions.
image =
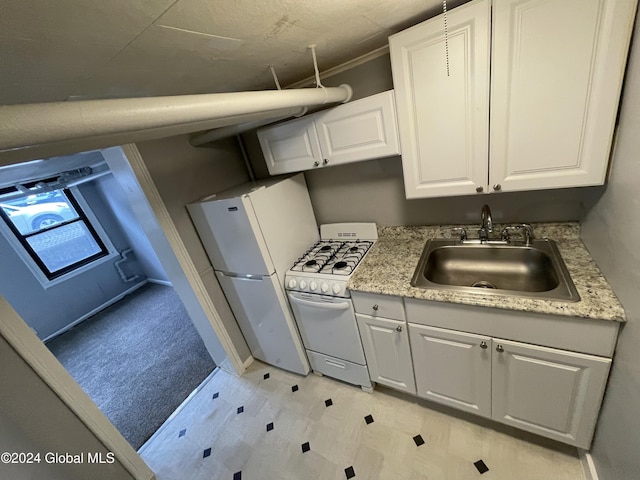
(260, 307)
(231, 235)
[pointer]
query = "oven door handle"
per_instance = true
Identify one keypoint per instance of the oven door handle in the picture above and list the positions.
(322, 305)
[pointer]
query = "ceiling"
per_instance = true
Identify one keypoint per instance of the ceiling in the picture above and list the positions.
(60, 50)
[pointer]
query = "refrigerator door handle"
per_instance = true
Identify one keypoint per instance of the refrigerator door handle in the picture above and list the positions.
(321, 305)
(241, 276)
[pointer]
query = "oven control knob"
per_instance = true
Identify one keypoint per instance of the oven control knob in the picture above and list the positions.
(313, 286)
(303, 284)
(324, 288)
(336, 288)
(292, 283)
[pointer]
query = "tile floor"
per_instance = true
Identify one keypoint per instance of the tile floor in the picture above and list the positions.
(271, 424)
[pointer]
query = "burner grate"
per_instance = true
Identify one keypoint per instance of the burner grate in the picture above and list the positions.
(332, 257)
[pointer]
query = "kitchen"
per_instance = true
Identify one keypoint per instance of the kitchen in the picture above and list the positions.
(373, 191)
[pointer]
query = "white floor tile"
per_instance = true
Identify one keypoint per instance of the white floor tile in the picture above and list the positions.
(338, 435)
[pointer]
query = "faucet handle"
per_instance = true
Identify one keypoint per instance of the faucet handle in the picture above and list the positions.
(524, 227)
(460, 230)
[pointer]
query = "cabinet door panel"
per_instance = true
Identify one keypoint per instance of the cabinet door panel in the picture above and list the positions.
(556, 80)
(290, 146)
(552, 392)
(443, 117)
(452, 368)
(362, 130)
(387, 351)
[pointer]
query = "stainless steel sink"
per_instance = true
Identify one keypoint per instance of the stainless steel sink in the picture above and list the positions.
(534, 270)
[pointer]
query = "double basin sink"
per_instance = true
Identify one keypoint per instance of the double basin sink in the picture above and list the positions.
(534, 270)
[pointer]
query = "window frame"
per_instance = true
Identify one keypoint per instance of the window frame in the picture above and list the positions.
(85, 215)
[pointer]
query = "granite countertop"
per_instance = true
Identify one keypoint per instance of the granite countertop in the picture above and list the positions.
(389, 266)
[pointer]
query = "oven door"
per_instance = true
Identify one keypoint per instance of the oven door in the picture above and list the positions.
(328, 326)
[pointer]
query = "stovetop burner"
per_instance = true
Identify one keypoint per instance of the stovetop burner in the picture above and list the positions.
(332, 257)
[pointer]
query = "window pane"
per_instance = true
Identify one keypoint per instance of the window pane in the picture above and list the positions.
(63, 246)
(35, 212)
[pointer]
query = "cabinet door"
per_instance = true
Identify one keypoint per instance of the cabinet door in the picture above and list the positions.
(453, 368)
(443, 116)
(551, 392)
(555, 83)
(360, 130)
(290, 146)
(386, 346)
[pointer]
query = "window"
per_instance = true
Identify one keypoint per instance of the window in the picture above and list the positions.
(53, 230)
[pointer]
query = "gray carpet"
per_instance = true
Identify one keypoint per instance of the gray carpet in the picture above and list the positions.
(138, 359)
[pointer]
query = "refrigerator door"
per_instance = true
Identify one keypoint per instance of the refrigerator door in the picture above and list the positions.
(260, 308)
(231, 235)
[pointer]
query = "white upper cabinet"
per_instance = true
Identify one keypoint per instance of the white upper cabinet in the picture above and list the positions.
(360, 130)
(290, 146)
(556, 75)
(556, 71)
(443, 118)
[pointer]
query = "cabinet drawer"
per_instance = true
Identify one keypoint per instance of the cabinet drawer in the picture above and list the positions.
(377, 305)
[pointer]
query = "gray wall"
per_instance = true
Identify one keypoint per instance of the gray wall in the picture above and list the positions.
(51, 309)
(610, 232)
(373, 190)
(183, 174)
(114, 197)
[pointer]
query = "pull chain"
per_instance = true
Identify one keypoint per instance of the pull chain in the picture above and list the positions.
(446, 34)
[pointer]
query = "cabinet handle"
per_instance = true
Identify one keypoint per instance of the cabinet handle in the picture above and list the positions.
(479, 189)
(497, 187)
(483, 344)
(316, 163)
(499, 348)
(325, 161)
(399, 328)
(375, 307)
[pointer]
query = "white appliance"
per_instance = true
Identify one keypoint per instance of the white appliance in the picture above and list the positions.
(252, 234)
(321, 303)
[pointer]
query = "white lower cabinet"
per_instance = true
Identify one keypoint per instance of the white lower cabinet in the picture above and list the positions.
(491, 362)
(551, 392)
(386, 346)
(452, 368)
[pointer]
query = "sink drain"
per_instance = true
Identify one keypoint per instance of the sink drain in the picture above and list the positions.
(483, 284)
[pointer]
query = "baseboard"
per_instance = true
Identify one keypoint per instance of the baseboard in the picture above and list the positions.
(166, 283)
(588, 466)
(108, 303)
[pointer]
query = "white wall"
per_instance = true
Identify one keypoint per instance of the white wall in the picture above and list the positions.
(611, 231)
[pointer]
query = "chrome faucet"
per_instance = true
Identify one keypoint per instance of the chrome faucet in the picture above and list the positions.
(487, 223)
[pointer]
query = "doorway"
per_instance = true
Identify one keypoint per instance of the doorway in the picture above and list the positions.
(138, 359)
(114, 285)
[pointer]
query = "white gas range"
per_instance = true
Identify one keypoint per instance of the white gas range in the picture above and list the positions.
(326, 267)
(321, 303)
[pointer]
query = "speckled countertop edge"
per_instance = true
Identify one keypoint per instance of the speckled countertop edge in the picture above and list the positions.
(389, 265)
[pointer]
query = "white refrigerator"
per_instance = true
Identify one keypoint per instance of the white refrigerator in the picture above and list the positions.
(253, 234)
